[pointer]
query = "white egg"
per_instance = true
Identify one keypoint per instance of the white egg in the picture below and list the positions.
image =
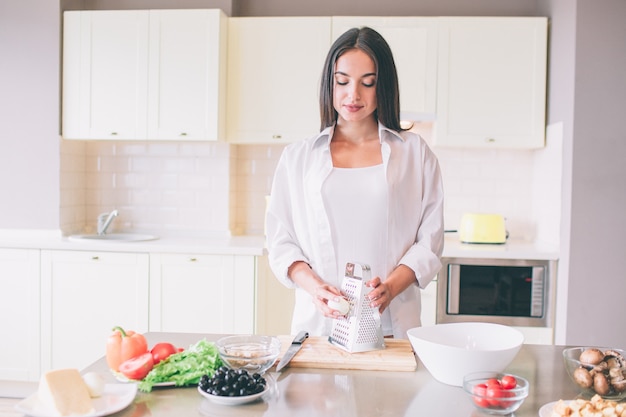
(342, 306)
(95, 383)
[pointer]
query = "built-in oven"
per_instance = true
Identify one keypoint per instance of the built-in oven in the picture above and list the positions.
(515, 292)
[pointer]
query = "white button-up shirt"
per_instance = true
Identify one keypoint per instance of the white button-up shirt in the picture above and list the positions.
(298, 228)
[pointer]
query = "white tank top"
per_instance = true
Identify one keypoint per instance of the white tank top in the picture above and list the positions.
(356, 203)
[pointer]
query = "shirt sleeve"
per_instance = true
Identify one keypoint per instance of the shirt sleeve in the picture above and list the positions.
(424, 256)
(282, 245)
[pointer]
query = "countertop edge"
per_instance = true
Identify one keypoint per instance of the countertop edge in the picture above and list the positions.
(254, 245)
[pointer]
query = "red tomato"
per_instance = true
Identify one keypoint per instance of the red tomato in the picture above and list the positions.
(480, 390)
(508, 382)
(495, 382)
(494, 394)
(162, 351)
(137, 368)
(506, 394)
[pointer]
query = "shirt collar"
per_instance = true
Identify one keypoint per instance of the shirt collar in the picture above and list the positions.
(383, 132)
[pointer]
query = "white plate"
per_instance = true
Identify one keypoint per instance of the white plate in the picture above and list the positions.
(115, 397)
(122, 378)
(218, 399)
(546, 409)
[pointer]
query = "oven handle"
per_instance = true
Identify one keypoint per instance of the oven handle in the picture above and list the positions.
(454, 288)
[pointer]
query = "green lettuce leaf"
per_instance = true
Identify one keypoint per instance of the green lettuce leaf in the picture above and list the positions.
(184, 368)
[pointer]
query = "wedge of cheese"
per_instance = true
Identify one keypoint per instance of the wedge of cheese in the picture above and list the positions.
(63, 392)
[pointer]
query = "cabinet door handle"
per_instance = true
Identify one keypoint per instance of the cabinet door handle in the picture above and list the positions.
(277, 136)
(113, 133)
(193, 259)
(183, 134)
(490, 140)
(95, 258)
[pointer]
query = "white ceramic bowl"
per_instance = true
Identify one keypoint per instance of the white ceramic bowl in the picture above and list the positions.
(452, 350)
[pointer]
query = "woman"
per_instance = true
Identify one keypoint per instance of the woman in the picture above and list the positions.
(362, 190)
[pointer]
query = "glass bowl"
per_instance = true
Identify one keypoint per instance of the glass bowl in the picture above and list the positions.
(602, 371)
(493, 397)
(254, 353)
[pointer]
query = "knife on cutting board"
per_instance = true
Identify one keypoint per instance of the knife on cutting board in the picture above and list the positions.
(295, 346)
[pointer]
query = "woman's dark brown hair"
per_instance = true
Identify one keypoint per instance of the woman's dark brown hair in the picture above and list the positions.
(387, 91)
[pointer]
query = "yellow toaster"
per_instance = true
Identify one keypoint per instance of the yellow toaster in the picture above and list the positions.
(482, 228)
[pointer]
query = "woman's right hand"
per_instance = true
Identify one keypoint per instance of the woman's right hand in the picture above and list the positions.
(322, 294)
(302, 274)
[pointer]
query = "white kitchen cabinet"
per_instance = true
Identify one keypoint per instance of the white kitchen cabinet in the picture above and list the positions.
(84, 295)
(202, 293)
(274, 302)
(491, 82)
(19, 314)
(274, 68)
(187, 74)
(144, 74)
(105, 74)
(413, 42)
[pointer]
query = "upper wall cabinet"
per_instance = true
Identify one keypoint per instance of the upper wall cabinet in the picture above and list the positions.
(413, 41)
(105, 75)
(148, 74)
(187, 78)
(274, 67)
(491, 83)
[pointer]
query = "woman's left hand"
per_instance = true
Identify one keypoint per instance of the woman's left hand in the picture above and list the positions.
(380, 296)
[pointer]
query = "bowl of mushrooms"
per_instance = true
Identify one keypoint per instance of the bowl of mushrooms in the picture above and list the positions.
(597, 370)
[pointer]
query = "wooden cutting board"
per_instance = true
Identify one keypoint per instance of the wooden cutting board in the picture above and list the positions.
(318, 352)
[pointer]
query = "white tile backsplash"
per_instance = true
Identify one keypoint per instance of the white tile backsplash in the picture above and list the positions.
(215, 188)
(547, 179)
(163, 187)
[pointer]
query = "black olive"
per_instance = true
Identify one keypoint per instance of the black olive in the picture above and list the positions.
(232, 383)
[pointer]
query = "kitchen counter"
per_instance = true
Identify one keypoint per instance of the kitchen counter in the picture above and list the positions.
(255, 245)
(217, 245)
(326, 392)
(512, 249)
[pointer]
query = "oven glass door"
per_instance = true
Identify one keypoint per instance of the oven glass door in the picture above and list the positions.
(511, 291)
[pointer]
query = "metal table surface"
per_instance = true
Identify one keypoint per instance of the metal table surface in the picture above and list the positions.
(326, 392)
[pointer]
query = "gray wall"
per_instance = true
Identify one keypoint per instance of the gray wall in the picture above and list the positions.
(561, 78)
(597, 264)
(29, 114)
(587, 94)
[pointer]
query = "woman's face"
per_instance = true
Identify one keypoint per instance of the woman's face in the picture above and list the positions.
(354, 87)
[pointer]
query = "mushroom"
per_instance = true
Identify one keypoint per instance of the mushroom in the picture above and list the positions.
(601, 384)
(583, 377)
(616, 357)
(591, 356)
(613, 363)
(601, 367)
(616, 373)
(619, 386)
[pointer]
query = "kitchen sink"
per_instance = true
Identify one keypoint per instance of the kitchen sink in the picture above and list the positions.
(113, 237)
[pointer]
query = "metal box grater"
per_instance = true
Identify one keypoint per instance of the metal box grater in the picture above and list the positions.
(361, 329)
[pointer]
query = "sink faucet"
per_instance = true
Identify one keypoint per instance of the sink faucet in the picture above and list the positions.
(104, 220)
